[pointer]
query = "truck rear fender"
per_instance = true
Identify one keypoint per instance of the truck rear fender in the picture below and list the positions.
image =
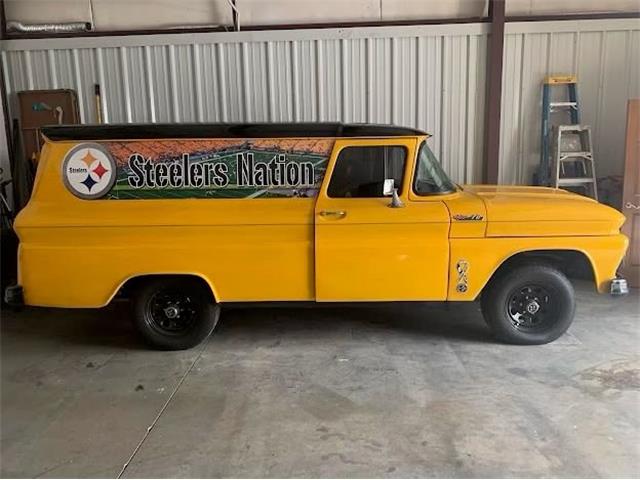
(128, 286)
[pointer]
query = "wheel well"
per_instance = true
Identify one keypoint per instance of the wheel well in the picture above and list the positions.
(128, 288)
(574, 264)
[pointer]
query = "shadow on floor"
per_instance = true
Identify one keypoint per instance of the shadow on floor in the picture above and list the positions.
(454, 321)
(110, 327)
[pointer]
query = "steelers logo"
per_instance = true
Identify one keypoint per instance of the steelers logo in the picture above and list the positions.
(88, 171)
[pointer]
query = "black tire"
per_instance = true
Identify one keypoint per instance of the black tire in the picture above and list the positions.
(530, 304)
(174, 313)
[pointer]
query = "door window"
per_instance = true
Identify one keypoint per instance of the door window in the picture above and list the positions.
(360, 172)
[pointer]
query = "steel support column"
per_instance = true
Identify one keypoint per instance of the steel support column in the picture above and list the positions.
(493, 106)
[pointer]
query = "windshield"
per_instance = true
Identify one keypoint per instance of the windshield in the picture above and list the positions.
(430, 178)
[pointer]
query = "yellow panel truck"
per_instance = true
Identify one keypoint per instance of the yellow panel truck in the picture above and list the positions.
(184, 218)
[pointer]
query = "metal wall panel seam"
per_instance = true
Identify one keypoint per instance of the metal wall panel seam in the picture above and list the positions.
(394, 80)
(520, 174)
(79, 87)
(52, 69)
(28, 70)
(576, 52)
(462, 79)
(270, 82)
(320, 79)
(150, 84)
(470, 111)
(516, 66)
(600, 99)
(419, 82)
(444, 108)
(173, 86)
(295, 80)
(511, 92)
(197, 82)
(125, 84)
(222, 81)
(437, 93)
(245, 96)
(369, 80)
(344, 78)
(103, 90)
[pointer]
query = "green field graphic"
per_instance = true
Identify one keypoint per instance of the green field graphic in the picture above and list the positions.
(122, 189)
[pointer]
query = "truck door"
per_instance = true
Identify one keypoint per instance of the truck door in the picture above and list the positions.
(367, 250)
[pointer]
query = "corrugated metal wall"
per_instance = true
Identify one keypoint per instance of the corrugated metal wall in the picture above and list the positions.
(605, 54)
(428, 77)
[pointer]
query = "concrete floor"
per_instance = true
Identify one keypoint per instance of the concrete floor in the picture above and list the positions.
(392, 391)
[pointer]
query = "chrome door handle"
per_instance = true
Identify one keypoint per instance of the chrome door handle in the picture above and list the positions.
(333, 213)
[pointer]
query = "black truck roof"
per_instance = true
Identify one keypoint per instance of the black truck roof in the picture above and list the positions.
(223, 130)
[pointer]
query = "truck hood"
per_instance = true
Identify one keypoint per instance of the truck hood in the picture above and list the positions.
(542, 211)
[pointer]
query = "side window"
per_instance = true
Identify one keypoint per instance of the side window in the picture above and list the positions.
(361, 171)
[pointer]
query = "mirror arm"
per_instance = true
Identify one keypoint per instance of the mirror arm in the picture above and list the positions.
(395, 200)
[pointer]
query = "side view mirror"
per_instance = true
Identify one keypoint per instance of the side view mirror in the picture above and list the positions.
(389, 190)
(388, 186)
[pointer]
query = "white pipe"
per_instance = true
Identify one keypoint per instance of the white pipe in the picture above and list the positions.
(71, 27)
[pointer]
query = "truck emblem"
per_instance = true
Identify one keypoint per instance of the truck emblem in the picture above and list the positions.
(88, 171)
(462, 267)
(472, 217)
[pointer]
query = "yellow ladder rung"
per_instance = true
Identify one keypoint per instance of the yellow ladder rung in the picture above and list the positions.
(560, 79)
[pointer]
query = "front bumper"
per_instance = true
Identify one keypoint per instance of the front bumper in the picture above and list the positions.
(13, 296)
(618, 287)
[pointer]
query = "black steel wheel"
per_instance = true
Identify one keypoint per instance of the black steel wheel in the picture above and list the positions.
(529, 304)
(174, 313)
(530, 308)
(171, 311)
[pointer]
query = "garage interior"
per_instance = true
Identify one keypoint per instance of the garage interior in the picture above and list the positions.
(396, 390)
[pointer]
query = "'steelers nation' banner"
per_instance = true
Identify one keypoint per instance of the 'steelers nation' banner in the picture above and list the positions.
(209, 168)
